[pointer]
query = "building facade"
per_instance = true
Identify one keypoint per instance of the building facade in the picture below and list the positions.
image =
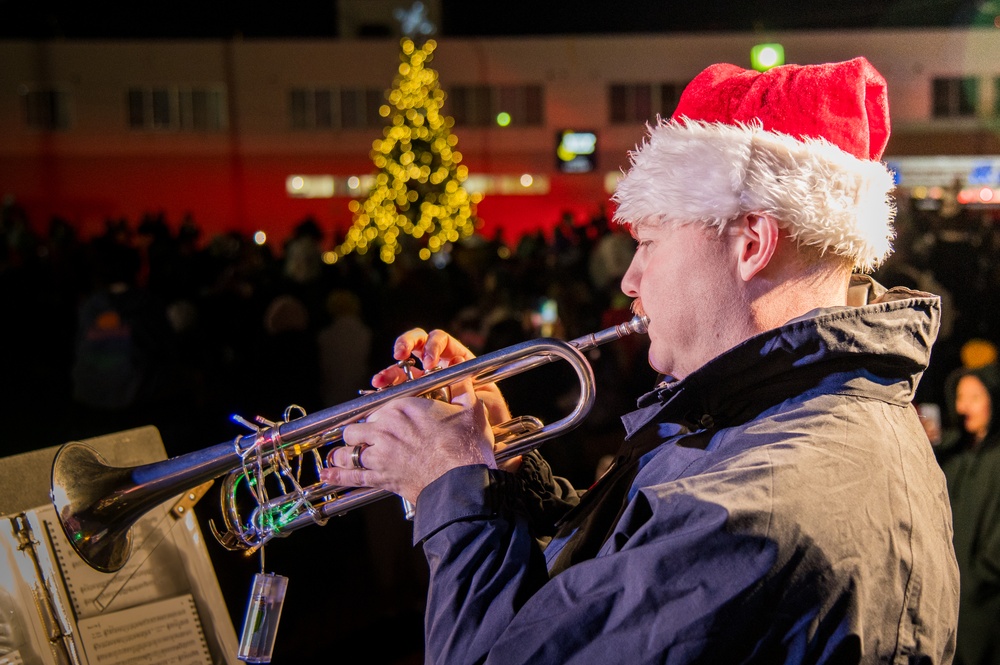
(257, 135)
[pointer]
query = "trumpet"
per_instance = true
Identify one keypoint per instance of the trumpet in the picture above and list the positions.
(98, 504)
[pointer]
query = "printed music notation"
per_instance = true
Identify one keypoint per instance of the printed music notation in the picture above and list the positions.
(166, 632)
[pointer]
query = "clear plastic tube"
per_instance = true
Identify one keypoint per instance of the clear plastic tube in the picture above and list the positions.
(260, 625)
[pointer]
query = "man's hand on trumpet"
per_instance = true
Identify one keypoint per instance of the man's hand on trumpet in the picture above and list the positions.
(411, 441)
(435, 350)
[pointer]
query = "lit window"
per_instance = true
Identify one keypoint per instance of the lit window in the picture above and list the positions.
(525, 184)
(309, 186)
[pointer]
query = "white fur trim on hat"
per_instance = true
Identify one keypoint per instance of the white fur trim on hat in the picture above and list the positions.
(691, 171)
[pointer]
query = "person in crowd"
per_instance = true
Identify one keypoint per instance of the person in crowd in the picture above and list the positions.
(124, 351)
(343, 374)
(970, 457)
(974, 353)
(288, 342)
(775, 499)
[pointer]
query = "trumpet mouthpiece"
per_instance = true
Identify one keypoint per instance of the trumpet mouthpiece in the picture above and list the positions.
(640, 324)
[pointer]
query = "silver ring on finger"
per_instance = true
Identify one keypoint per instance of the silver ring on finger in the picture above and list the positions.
(356, 456)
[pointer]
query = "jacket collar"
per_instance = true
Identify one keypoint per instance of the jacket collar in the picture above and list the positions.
(879, 348)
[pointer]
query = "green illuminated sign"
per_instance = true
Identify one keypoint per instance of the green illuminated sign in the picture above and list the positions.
(765, 56)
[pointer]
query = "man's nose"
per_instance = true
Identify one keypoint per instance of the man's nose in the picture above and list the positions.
(630, 281)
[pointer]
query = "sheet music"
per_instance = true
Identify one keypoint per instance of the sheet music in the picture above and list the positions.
(167, 632)
(167, 609)
(167, 564)
(161, 576)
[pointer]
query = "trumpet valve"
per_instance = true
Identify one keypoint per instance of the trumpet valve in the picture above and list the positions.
(442, 394)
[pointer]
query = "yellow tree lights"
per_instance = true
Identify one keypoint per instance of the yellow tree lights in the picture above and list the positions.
(418, 190)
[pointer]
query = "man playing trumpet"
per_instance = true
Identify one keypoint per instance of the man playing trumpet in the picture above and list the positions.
(775, 498)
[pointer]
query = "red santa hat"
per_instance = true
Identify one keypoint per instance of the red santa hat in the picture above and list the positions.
(800, 143)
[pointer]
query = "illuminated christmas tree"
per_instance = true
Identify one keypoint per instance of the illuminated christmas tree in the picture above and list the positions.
(418, 190)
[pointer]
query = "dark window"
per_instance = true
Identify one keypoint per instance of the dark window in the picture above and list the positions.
(45, 108)
(955, 97)
(136, 109)
(670, 96)
(643, 102)
(534, 106)
(172, 108)
(630, 103)
(324, 114)
(201, 110)
(523, 103)
(352, 108)
(298, 108)
(375, 98)
(332, 108)
(479, 106)
(161, 109)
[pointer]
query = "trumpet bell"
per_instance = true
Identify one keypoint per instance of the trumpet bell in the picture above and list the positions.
(88, 498)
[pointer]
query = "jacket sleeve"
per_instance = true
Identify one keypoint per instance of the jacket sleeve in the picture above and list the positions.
(483, 561)
(491, 600)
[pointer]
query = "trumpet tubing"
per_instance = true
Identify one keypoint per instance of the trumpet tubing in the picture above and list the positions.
(97, 504)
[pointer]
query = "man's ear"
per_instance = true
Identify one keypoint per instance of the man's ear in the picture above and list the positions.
(758, 241)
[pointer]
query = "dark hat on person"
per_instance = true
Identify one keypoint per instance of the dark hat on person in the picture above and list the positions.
(799, 142)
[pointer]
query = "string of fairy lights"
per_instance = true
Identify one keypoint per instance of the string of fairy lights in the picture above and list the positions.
(419, 190)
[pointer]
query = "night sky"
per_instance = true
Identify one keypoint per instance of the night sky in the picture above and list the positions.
(186, 19)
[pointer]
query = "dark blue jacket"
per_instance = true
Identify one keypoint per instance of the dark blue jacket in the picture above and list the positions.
(780, 505)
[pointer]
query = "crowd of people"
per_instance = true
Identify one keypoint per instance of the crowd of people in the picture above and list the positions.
(212, 326)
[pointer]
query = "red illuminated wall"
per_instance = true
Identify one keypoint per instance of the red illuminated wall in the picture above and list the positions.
(245, 195)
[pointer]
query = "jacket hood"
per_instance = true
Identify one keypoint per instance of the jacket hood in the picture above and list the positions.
(878, 350)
